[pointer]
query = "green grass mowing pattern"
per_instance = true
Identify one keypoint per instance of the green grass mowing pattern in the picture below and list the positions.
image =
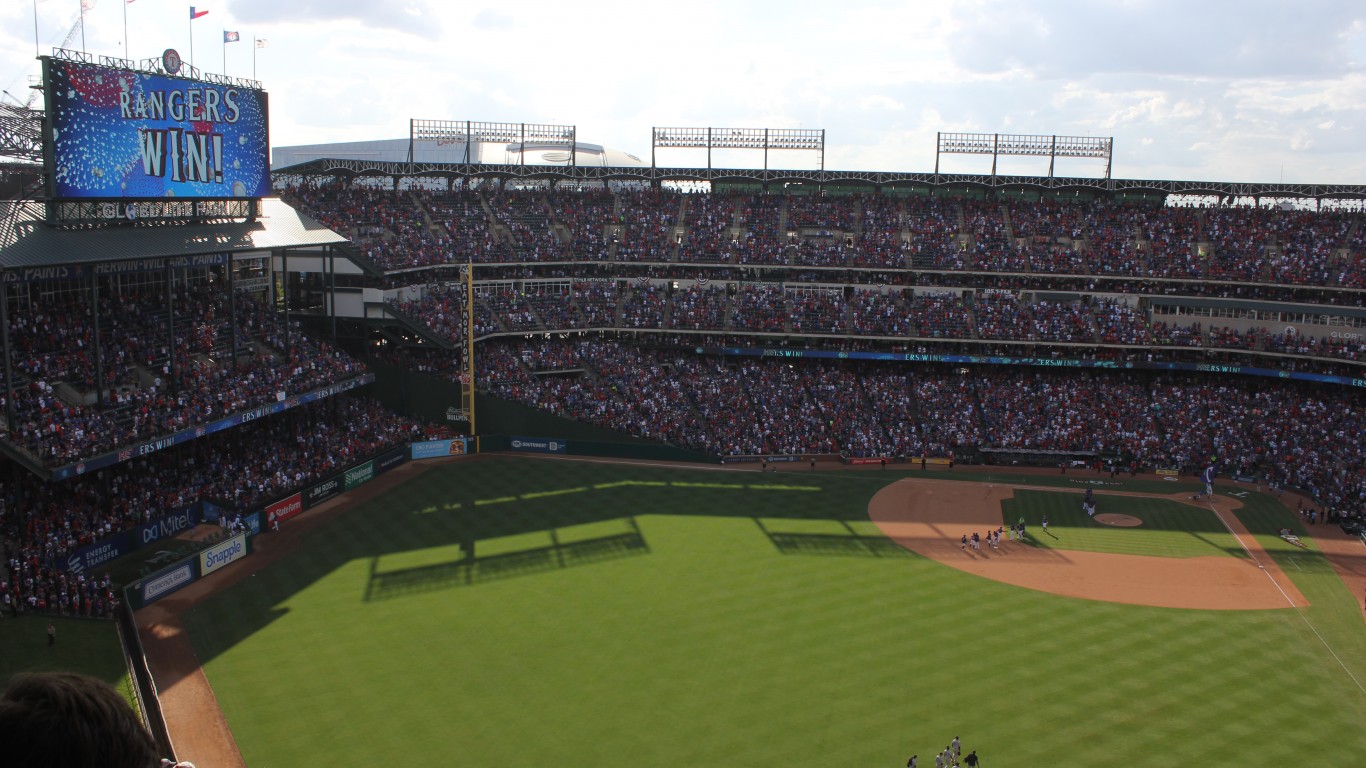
(83, 645)
(1170, 528)
(1332, 611)
(729, 643)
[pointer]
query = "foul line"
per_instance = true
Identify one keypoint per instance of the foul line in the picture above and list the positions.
(1298, 611)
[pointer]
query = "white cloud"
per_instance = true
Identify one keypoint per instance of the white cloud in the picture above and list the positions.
(1212, 90)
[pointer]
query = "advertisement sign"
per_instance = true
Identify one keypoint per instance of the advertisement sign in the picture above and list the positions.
(390, 459)
(194, 433)
(253, 523)
(436, 449)
(167, 582)
(87, 559)
(864, 460)
(323, 491)
(1045, 362)
(219, 555)
(165, 527)
(116, 133)
(539, 444)
(284, 509)
(360, 475)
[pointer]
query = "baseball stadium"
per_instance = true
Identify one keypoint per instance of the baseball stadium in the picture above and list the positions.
(488, 446)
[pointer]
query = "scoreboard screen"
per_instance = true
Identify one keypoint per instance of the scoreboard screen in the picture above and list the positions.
(120, 134)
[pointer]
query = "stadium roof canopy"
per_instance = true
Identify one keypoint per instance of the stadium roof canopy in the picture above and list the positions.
(31, 243)
(352, 168)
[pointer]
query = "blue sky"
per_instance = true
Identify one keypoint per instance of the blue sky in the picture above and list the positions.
(1214, 90)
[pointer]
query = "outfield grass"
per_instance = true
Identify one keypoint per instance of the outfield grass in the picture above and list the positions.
(1170, 528)
(83, 645)
(692, 618)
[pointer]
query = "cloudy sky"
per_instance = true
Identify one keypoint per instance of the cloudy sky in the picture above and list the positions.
(1207, 90)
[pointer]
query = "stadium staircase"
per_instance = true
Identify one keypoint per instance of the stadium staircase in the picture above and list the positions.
(680, 229)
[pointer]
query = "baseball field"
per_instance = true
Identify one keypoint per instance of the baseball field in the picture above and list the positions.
(519, 612)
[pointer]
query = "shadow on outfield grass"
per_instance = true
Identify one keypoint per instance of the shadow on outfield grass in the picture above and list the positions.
(850, 544)
(474, 569)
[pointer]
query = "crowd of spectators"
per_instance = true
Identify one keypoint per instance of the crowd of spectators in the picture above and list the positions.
(1287, 432)
(221, 360)
(698, 307)
(992, 314)
(42, 523)
(407, 228)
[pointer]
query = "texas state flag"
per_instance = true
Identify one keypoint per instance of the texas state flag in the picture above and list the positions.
(196, 14)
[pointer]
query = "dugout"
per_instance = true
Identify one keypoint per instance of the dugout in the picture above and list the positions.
(1019, 457)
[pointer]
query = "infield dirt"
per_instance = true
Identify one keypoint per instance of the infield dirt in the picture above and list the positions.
(929, 516)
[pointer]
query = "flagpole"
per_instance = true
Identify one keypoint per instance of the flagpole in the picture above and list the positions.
(82, 26)
(126, 54)
(225, 52)
(36, 52)
(191, 41)
(253, 57)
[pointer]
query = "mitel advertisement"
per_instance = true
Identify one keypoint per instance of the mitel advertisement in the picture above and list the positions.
(539, 444)
(166, 527)
(219, 555)
(117, 133)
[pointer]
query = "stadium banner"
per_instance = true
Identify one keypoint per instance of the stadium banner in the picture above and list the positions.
(1168, 472)
(284, 509)
(1244, 479)
(165, 527)
(156, 265)
(88, 558)
(436, 449)
(221, 554)
(390, 459)
(116, 133)
(30, 274)
(186, 435)
(253, 523)
(327, 489)
(539, 444)
(166, 581)
(786, 458)
(359, 475)
(209, 510)
(860, 460)
(1044, 362)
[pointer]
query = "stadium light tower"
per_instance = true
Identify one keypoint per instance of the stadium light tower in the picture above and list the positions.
(765, 139)
(1024, 145)
(471, 134)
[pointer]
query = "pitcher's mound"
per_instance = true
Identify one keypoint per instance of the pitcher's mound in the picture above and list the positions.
(1123, 521)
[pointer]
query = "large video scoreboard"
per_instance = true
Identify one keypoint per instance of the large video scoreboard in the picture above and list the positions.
(121, 135)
